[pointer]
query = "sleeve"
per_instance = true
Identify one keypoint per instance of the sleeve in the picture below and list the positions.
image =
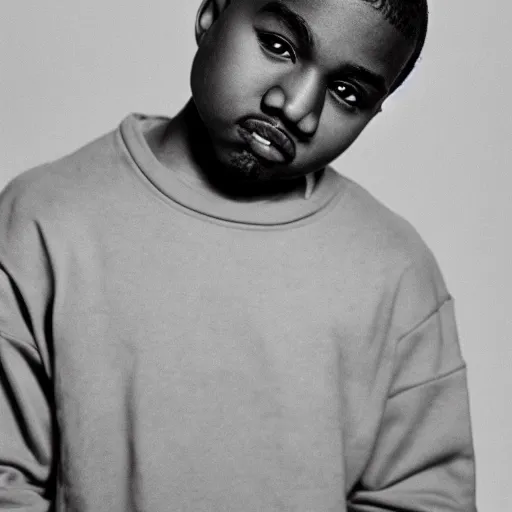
(26, 467)
(25, 428)
(423, 459)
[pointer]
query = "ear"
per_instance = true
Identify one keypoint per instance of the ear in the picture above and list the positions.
(207, 14)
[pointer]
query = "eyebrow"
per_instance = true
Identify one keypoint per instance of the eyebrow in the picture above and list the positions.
(293, 21)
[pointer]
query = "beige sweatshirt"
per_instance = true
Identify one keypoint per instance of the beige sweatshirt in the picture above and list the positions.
(164, 350)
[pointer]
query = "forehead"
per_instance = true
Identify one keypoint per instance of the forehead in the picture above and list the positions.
(349, 30)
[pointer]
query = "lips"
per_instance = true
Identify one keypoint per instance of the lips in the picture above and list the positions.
(267, 141)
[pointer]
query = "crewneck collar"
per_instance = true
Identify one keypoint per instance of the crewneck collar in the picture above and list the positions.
(182, 192)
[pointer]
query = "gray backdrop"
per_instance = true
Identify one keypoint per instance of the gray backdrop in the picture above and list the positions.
(439, 154)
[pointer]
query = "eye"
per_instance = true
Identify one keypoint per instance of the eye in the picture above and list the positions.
(347, 93)
(277, 45)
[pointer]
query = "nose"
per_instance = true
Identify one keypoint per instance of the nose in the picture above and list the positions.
(300, 99)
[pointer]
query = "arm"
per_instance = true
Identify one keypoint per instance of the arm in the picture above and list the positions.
(25, 428)
(423, 459)
(25, 388)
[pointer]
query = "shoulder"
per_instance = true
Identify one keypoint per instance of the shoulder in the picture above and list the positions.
(378, 231)
(386, 252)
(364, 226)
(51, 190)
(57, 203)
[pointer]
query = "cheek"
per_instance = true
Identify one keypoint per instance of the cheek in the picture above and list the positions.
(226, 73)
(336, 132)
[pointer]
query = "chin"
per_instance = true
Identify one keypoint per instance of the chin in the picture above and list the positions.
(246, 166)
(240, 165)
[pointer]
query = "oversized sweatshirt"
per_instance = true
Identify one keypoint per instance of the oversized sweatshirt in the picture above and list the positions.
(162, 349)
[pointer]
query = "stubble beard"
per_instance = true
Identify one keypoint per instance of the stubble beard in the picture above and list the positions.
(245, 165)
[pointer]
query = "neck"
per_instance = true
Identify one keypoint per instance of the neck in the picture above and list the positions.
(184, 146)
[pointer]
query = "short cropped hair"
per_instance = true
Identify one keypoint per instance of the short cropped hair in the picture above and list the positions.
(410, 18)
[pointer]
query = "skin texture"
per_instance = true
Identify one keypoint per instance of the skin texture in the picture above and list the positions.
(251, 65)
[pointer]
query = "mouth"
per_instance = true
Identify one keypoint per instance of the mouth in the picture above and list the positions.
(267, 141)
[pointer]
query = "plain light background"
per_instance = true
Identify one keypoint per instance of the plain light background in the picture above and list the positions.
(439, 154)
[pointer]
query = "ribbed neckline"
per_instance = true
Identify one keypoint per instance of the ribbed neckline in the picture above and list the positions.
(179, 191)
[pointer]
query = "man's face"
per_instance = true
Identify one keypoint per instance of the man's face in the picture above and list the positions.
(283, 88)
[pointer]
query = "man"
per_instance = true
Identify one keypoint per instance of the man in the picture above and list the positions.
(198, 314)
